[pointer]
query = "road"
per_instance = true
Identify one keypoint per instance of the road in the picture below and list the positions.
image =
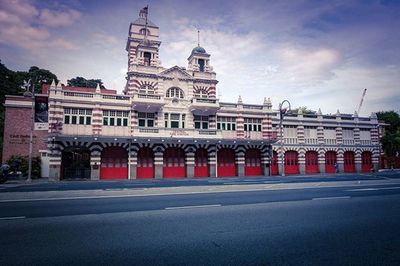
(308, 225)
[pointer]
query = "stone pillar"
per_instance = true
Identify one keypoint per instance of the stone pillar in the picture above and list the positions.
(302, 162)
(95, 166)
(133, 165)
(357, 161)
(340, 161)
(321, 162)
(240, 163)
(265, 163)
(212, 163)
(375, 160)
(158, 165)
(190, 164)
(280, 161)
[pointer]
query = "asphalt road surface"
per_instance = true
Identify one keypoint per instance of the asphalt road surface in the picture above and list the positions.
(309, 226)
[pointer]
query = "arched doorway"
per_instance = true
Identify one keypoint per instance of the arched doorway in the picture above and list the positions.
(312, 162)
(226, 162)
(274, 163)
(291, 163)
(145, 163)
(114, 163)
(349, 164)
(252, 160)
(330, 160)
(366, 162)
(201, 163)
(174, 163)
(75, 163)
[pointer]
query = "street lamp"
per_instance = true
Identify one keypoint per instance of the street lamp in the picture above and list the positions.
(282, 112)
(29, 87)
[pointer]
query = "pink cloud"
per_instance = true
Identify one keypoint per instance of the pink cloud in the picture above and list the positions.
(25, 26)
(54, 19)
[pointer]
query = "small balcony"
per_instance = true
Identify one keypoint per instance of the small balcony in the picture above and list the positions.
(204, 106)
(147, 102)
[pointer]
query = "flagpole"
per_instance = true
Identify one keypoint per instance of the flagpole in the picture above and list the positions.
(145, 27)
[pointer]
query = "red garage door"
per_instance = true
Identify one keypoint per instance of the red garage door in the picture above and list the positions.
(201, 163)
(252, 166)
(291, 163)
(349, 164)
(366, 161)
(274, 163)
(114, 163)
(312, 162)
(145, 164)
(330, 160)
(226, 162)
(174, 163)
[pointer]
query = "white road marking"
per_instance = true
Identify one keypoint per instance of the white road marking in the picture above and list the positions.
(329, 198)
(12, 218)
(362, 189)
(194, 206)
(372, 189)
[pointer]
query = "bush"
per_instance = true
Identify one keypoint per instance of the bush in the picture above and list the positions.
(20, 163)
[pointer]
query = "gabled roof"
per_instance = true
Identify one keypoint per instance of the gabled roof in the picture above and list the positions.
(178, 69)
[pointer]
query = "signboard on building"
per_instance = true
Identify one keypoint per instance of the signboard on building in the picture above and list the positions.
(41, 113)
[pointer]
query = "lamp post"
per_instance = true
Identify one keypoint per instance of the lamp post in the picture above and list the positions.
(29, 87)
(282, 112)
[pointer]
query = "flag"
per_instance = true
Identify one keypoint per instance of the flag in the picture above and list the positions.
(144, 11)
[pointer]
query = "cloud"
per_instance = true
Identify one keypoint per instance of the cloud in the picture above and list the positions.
(55, 19)
(25, 26)
(105, 39)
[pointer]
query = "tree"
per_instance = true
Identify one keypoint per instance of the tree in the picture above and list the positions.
(391, 139)
(86, 83)
(304, 109)
(11, 82)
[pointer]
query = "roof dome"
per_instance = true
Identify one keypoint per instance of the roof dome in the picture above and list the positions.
(199, 49)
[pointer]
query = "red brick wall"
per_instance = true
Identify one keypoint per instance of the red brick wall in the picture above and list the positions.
(16, 133)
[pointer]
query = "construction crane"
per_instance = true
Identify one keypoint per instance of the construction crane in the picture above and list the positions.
(362, 100)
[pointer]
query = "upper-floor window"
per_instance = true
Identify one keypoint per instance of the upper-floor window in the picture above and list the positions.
(77, 116)
(252, 124)
(348, 133)
(201, 65)
(146, 89)
(146, 119)
(143, 31)
(174, 120)
(115, 118)
(365, 134)
(226, 123)
(202, 93)
(174, 92)
(147, 58)
(310, 132)
(289, 131)
(200, 122)
(329, 132)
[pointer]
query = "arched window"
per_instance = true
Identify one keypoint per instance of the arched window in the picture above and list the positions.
(201, 65)
(174, 92)
(146, 89)
(143, 31)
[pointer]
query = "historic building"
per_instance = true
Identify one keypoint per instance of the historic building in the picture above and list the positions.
(168, 123)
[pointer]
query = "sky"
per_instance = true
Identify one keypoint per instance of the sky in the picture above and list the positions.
(318, 54)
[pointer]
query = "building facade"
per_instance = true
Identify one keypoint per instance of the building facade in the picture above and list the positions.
(168, 123)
